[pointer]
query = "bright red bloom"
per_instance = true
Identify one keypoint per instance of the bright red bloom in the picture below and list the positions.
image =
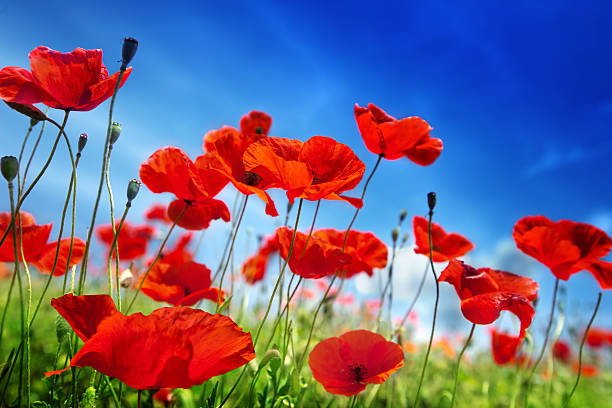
(225, 149)
(173, 347)
(485, 292)
(445, 246)
(254, 268)
(395, 138)
(320, 168)
(198, 214)
(180, 284)
(587, 370)
(566, 247)
(562, 351)
(76, 80)
(158, 212)
(324, 256)
(504, 347)
(345, 365)
(598, 337)
(36, 250)
(132, 240)
(367, 252)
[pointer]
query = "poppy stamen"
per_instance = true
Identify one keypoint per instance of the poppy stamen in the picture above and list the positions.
(357, 372)
(252, 179)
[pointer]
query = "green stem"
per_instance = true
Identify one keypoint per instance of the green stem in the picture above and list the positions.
(433, 325)
(229, 236)
(465, 346)
(586, 332)
(114, 246)
(115, 233)
(159, 252)
(81, 287)
(25, 173)
(229, 255)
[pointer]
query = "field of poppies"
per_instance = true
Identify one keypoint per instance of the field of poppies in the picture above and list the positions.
(152, 327)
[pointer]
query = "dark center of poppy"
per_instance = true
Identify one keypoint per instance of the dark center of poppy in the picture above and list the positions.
(252, 179)
(259, 130)
(357, 372)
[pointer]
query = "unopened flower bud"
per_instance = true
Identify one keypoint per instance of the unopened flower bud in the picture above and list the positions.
(269, 356)
(403, 215)
(130, 45)
(395, 233)
(404, 238)
(126, 279)
(82, 142)
(431, 200)
(29, 110)
(10, 167)
(62, 329)
(132, 190)
(115, 132)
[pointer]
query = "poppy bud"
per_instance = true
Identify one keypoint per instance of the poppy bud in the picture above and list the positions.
(130, 45)
(31, 111)
(403, 215)
(9, 166)
(82, 142)
(269, 356)
(115, 132)
(62, 329)
(132, 190)
(404, 238)
(431, 200)
(126, 279)
(89, 398)
(395, 233)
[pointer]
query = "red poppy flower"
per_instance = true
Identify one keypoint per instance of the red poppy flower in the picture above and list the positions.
(132, 240)
(255, 125)
(562, 351)
(173, 347)
(179, 253)
(345, 365)
(36, 250)
(158, 212)
(164, 396)
(254, 268)
(76, 80)
(598, 337)
(367, 252)
(320, 168)
(504, 347)
(395, 138)
(445, 246)
(566, 247)
(587, 370)
(318, 260)
(198, 214)
(224, 152)
(180, 284)
(485, 292)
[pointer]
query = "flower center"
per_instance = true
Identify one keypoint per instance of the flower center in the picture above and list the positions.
(357, 372)
(252, 179)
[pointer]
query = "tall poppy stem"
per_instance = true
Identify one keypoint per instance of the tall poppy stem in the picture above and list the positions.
(526, 384)
(314, 318)
(83, 275)
(115, 247)
(139, 392)
(586, 332)
(229, 236)
(157, 256)
(231, 249)
(433, 324)
(465, 346)
(114, 229)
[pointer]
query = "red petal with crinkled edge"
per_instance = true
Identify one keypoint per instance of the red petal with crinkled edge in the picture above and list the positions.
(254, 268)
(602, 271)
(276, 161)
(334, 166)
(158, 212)
(198, 215)
(425, 151)
(445, 246)
(365, 250)
(504, 347)
(486, 308)
(84, 313)
(169, 169)
(173, 283)
(33, 239)
(318, 260)
(18, 85)
(47, 257)
(27, 219)
(255, 125)
(133, 240)
(346, 364)
(170, 348)
(510, 282)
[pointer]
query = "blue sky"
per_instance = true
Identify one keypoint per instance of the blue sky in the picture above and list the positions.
(520, 94)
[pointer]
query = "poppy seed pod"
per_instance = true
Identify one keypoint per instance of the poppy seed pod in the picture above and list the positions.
(130, 45)
(132, 190)
(115, 132)
(82, 142)
(431, 200)
(403, 215)
(9, 166)
(269, 356)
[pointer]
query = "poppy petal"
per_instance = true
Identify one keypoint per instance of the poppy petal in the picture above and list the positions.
(486, 308)
(84, 313)
(198, 215)
(45, 262)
